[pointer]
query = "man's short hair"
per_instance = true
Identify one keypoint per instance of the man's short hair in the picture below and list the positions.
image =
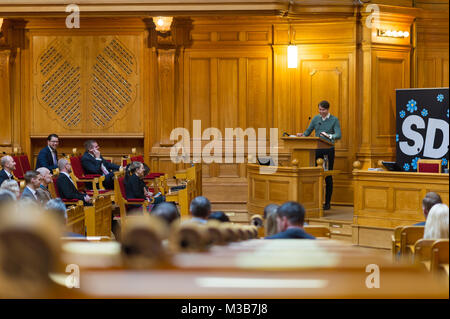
(167, 211)
(430, 200)
(43, 170)
(324, 104)
(49, 138)
(270, 209)
(62, 162)
(200, 207)
(293, 211)
(29, 175)
(88, 144)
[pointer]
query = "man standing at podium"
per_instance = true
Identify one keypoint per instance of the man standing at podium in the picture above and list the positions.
(326, 126)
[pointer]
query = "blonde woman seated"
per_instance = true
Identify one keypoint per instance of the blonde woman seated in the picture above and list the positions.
(270, 218)
(12, 186)
(436, 226)
(135, 186)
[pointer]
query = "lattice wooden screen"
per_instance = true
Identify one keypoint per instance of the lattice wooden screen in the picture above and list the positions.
(87, 84)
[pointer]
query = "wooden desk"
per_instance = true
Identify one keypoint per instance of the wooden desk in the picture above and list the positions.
(391, 199)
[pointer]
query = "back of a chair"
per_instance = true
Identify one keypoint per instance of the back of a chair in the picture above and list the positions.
(18, 172)
(429, 166)
(422, 250)
(76, 219)
(55, 187)
(409, 236)
(25, 163)
(77, 168)
(318, 231)
(98, 217)
(121, 180)
(439, 254)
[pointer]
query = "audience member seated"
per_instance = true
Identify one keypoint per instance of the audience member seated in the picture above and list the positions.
(66, 185)
(436, 226)
(270, 218)
(8, 166)
(12, 186)
(42, 192)
(32, 180)
(48, 156)
(135, 186)
(429, 201)
(167, 211)
(93, 163)
(290, 219)
(58, 209)
(200, 209)
(6, 197)
(220, 216)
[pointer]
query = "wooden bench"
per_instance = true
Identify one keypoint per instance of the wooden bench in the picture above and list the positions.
(76, 219)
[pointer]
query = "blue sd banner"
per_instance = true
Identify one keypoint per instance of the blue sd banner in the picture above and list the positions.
(422, 126)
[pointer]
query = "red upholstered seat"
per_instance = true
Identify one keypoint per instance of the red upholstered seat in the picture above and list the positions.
(77, 168)
(18, 172)
(428, 167)
(25, 163)
(137, 158)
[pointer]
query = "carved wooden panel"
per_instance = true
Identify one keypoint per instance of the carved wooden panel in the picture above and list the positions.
(86, 84)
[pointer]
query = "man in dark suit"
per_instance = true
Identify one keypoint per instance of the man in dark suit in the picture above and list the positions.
(290, 219)
(66, 186)
(94, 163)
(48, 156)
(8, 166)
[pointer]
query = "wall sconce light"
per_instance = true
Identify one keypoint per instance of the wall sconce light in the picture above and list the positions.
(392, 33)
(162, 23)
(292, 55)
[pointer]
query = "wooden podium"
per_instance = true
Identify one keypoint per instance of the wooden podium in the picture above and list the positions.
(300, 180)
(303, 149)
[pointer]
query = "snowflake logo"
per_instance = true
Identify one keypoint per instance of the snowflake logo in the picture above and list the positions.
(406, 167)
(414, 163)
(402, 114)
(411, 106)
(444, 162)
(440, 97)
(424, 112)
(397, 138)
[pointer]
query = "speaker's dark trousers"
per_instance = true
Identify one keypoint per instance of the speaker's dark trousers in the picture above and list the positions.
(329, 179)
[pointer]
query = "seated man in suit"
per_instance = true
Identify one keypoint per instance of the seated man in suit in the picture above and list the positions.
(66, 185)
(48, 156)
(428, 202)
(32, 180)
(94, 163)
(290, 219)
(42, 192)
(8, 166)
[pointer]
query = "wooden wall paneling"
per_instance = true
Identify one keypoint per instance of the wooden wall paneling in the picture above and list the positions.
(87, 83)
(391, 71)
(5, 98)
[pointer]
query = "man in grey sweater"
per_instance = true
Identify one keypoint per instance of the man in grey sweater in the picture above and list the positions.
(326, 126)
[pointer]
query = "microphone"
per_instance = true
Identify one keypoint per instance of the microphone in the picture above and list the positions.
(285, 134)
